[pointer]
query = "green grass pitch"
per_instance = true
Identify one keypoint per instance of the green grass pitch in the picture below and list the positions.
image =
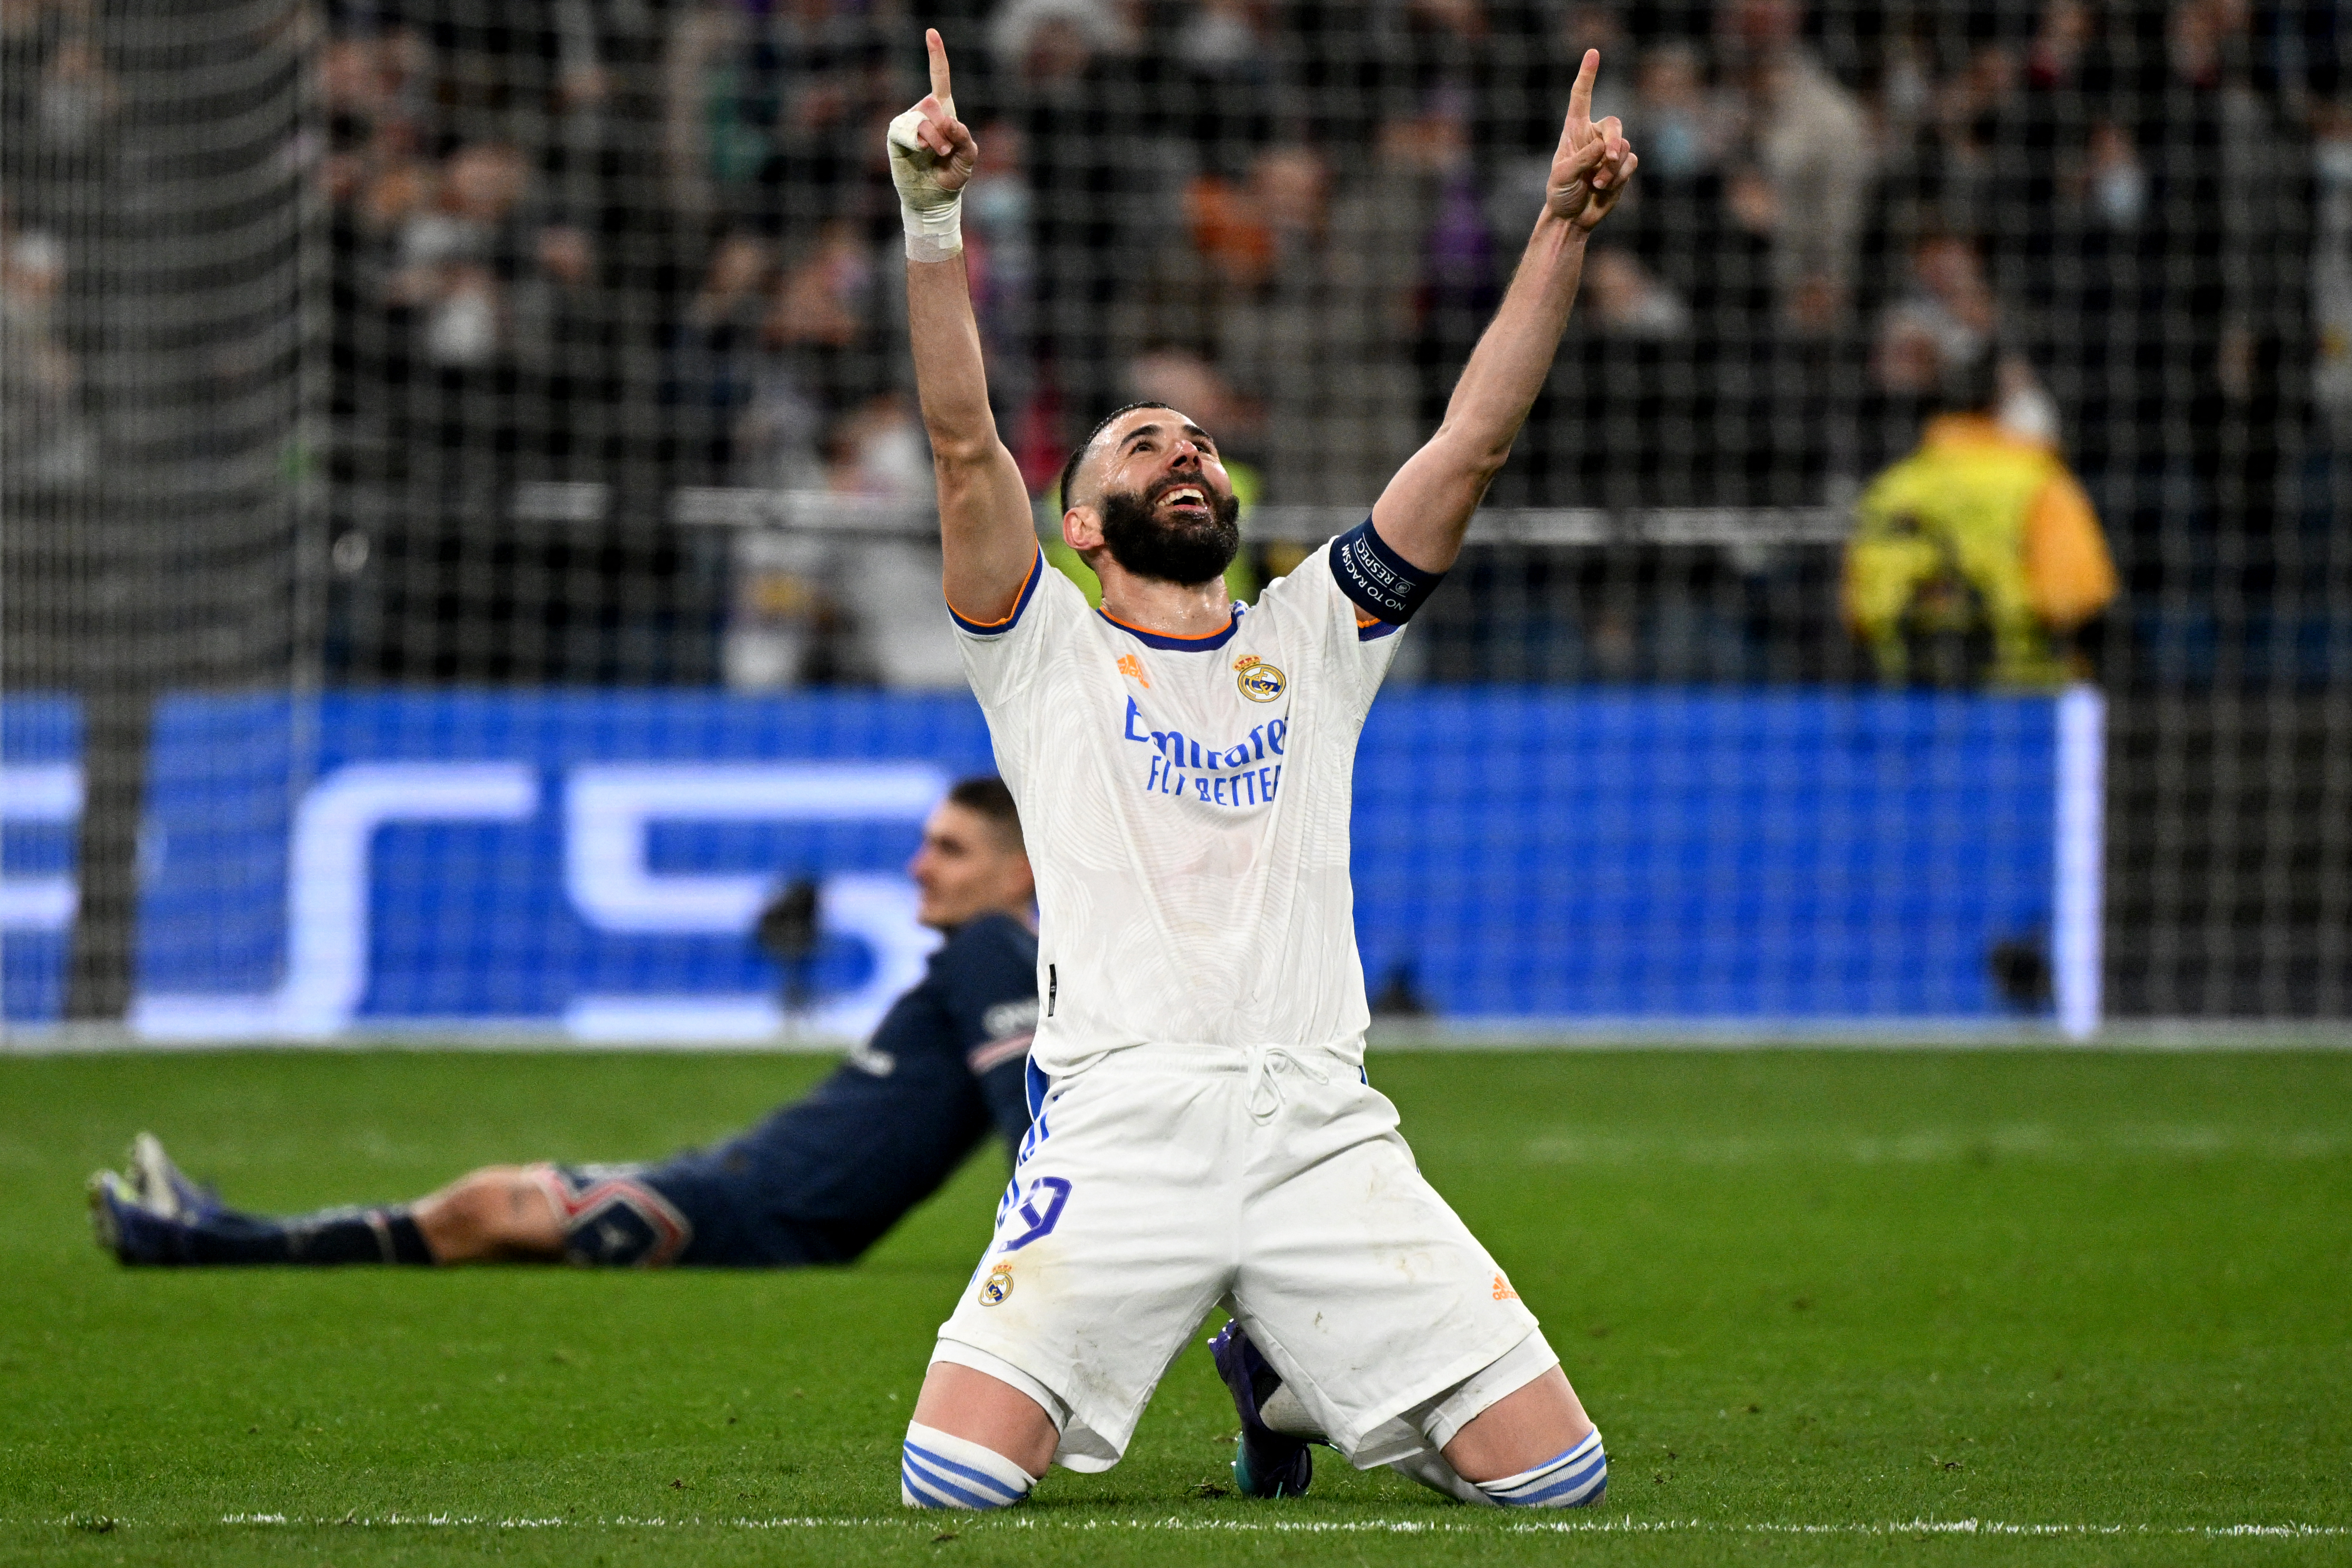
(2098, 1304)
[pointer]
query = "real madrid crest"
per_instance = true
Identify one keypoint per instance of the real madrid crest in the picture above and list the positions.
(1260, 681)
(997, 1285)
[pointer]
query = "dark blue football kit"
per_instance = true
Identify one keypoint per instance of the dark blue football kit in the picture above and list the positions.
(818, 1182)
(820, 1179)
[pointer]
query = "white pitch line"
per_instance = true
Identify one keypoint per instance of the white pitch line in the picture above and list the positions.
(1318, 1527)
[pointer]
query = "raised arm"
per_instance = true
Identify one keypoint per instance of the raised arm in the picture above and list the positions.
(985, 531)
(1427, 507)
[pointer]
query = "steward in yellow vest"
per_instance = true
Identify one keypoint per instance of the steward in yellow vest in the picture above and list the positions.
(1980, 536)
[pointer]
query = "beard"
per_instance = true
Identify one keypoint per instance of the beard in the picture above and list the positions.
(1171, 550)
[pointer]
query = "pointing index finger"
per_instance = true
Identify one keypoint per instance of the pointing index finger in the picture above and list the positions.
(940, 87)
(1579, 97)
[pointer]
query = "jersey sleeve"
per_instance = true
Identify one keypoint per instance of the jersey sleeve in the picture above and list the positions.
(2069, 575)
(1005, 1088)
(1002, 658)
(988, 980)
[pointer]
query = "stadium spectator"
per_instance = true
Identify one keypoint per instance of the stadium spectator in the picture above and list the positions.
(2049, 120)
(817, 48)
(1982, 170)
(2062, 38)
(1681, 121)
(1812, 159)
(2115, 180)
(1055, 40)
(711, 148)
(1234, 287)
(62, 97)
(1436, 97)
(1224, 98)
(817, 358)
(47, 441)
(1068, 83)
(784, 625)
(1001, 257)
(715, 351)
(453, 251)
(1328, 343)
(889, 586)
(763, 108)
(823, 300)
(554, 308)
(802, 611)
(375, 178)
(1946, 321)
(818, 1181)
(78, 97)
(2331, 272)
(1627, 301)
(59, 112)
(1975, 558)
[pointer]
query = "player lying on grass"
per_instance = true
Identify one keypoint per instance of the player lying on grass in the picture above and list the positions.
(818, 1182)
(1206, 1133)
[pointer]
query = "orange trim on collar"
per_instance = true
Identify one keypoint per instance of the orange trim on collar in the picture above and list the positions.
(1172, 636)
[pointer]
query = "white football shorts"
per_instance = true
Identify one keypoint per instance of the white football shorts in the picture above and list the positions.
(1158, 1182)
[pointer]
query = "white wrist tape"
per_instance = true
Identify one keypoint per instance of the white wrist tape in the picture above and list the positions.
(936, 234)
(933, 216)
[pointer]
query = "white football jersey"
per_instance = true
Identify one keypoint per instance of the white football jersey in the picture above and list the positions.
(1185, 802)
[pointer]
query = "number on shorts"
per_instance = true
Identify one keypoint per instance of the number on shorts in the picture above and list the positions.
(1057, 1193)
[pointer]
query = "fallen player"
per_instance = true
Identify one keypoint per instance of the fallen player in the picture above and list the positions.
(818, 1181)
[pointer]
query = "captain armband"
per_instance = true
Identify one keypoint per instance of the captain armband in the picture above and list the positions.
(1388, 586)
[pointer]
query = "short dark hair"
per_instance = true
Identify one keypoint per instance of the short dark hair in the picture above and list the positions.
(986, 794)
(1070, 468)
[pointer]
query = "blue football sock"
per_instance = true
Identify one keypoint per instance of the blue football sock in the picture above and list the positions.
(329, 1236)
(939, 1471)
(1576, 1479)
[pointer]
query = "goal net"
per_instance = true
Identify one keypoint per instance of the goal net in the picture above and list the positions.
(467, 544)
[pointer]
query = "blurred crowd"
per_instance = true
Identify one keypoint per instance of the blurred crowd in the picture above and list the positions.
(653, 244)
(53, 114)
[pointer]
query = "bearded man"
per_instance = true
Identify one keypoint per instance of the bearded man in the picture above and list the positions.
(1205, 1133)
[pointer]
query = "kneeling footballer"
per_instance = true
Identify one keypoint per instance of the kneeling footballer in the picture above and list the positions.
(1205, 1135)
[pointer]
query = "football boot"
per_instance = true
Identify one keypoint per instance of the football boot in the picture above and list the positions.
(161, 1187)
(124, 1226)
(1267, 1464)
